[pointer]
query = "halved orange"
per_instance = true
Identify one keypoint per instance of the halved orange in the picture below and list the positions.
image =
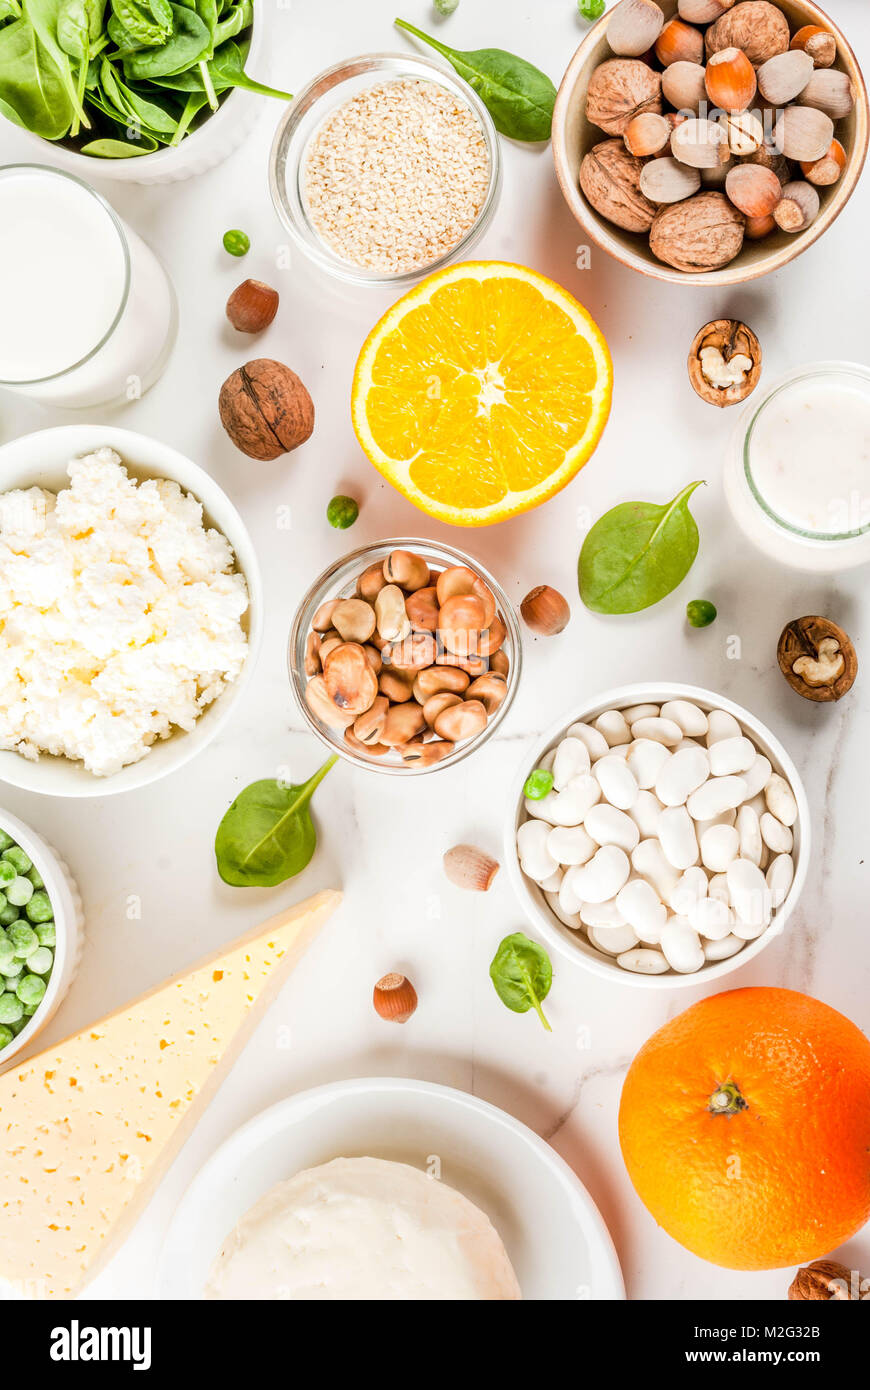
(482, 392)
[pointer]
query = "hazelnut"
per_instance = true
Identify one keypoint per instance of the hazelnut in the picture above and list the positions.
(668, 181)
(265, 409)
(545, 611)
(827, 170)
(823, 1279)
(633, 27)
(829, 90)
(394, 998)
(724, 362)
(743, 131)
(679, 43)
(683, 85)
(817, 659)
(701, 144)
(817, 42)
(252, 306)
(781, 78)
(610, 179)
(803, 132)
(647, 134)
(797, 208)
(701, 234)
(755, 26)
(730, 79)
(702, 11)
(469, 867)
(753, 189)
(757, 228)
(620, 89)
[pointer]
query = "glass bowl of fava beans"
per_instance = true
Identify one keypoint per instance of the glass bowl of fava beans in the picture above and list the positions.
(41, 934)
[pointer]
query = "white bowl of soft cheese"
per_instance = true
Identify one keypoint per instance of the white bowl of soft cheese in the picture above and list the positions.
(132, 607)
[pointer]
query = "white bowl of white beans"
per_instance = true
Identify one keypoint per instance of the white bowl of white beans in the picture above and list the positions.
(664, 870)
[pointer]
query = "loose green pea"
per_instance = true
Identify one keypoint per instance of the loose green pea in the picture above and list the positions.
(41, 961)
(5, 841)
(11, 1008)
(237, 243)
(6, 1036)
(446, 7)
(24, 939)
(342, 512)
(39, 909)
(591, 9)
(36, 877)
(8, 915)
(700, 612)
(19, 891)
(538, 784)
(16, 856)
(45, 933)
(31, 991)
(8, 871)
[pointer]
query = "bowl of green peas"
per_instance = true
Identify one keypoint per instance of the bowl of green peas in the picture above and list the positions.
(41, 934)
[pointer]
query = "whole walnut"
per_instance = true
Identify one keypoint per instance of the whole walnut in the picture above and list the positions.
(619, 90)
(701, 233)
(610, 178)
(265, 409)
(760, 29)
(823, 1280)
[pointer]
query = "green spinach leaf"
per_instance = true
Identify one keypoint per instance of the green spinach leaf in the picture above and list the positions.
(228, 69)
(185, 45)
(636, 553)
(119, 149)
(42, 15)
(518, 96)
(267, 835)
(9, 9)
(140, 22)
(34, 92)
(522, 974)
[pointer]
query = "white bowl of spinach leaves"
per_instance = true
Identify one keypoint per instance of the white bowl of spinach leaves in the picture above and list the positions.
(147, 91)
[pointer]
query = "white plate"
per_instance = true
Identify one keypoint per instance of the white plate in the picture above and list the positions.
(553, 1232)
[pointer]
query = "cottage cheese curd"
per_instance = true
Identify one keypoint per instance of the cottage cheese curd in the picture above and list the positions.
(363, 1228)
(119, 615)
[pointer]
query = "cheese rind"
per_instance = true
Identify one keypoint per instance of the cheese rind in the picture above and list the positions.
(89, 1126)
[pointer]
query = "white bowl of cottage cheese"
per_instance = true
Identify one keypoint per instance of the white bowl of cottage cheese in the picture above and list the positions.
(131, 607)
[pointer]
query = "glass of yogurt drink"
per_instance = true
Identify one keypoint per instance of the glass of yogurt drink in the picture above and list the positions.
(88, 312)
(797, 477)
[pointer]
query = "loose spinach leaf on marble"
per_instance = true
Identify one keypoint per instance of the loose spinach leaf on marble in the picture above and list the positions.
(267, 835)
(518, 96)
(636, 553)
(522, 974)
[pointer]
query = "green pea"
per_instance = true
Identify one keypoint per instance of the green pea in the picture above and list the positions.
(591, 9)
(237, 243)
(538, 783)
(8, 915)
(446, 7)
(24, 939)
(10, 969)
(342, 512)
(5, 841)
(11, 1008)
(45, 933)
(18, 858)
(36, 877)
(8, 871)
(4, 902)
(39, 909)
(700, 612)
(7, 950)
(41, 961)
(6, 1035)
(19, 891)
(31, 990)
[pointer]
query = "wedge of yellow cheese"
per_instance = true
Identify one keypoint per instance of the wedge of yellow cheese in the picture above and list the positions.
(88, 1127)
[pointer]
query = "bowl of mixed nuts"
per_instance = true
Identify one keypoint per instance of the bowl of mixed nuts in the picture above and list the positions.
(404, 656)
(708, 141)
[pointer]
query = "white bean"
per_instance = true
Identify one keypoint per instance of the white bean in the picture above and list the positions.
(665, 731)
(757, 803)
(775, 835)
(728, 817)
(681, 947)
(749, 834)
(619, 750)
(649, 861)
(646, 758)
(643, 961)
(719, 845)
(616, 781)
(645, 813)
(532, 838)
(691, 719)
(553, 883)
(691, 887)
(757, 776)
(721, 950)
(717, 795)
(685, 771)
(730, 755)
(635, 712)
(779, 878)
(602, 877)
(780, 799)
(572, 759)
(710, 917)
(677, 837)
(718, 888)
(570, 919)
(612, 940)
(721, 725)
(570, 900)
(567, 807)
(570, 844)
(607, 826)
(613, 727)
(750, 898)
(596, 743)
(601, 915)
(546, 763)
(640, 906)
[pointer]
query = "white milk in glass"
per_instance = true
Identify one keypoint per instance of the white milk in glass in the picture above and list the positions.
(87, 313)
(798, 476)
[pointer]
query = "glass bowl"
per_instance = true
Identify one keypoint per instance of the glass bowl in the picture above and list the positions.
(303, 118)
(339, 581)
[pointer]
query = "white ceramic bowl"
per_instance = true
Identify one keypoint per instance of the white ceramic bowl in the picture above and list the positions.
(575, 945)
(40, 460)
(208, 145)
(69, 928)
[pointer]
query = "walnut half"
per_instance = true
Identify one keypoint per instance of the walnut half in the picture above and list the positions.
(817, 659)
(724, 362)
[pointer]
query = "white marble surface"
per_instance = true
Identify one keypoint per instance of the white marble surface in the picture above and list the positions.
(382, 841)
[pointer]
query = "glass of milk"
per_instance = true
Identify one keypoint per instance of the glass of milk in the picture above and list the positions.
(797, 477)
(88, 313)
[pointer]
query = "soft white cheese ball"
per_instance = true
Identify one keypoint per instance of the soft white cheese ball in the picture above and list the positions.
(363, 1228)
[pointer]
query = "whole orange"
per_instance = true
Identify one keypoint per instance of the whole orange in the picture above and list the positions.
(745, 1127)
